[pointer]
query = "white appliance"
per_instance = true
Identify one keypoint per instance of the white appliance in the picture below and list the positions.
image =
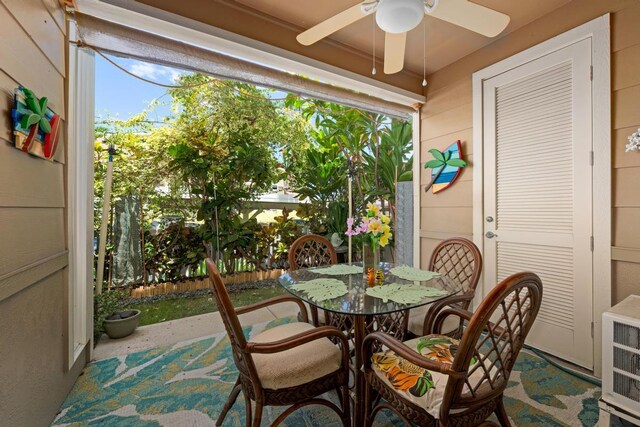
(621, 360)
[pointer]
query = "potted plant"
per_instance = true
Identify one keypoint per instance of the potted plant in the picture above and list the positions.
(110, 319)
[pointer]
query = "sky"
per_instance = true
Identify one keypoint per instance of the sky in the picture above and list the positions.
(121, 95)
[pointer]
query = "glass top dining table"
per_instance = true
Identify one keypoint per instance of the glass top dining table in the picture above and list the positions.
(356, 301)
(357, 314)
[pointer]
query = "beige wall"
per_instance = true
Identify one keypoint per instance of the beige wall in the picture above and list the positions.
(34, 376)
(447, 116)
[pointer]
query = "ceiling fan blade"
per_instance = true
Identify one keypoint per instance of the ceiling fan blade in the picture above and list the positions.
(471, 16)
(394, 44)
(331, 25)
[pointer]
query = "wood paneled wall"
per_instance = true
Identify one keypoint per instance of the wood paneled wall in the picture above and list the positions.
(34, 374)
(447, 116)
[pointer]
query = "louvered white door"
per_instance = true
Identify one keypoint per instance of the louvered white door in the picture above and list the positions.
(537, 192)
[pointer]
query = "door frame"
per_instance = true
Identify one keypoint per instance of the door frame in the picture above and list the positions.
(598, 30)
(79, 212)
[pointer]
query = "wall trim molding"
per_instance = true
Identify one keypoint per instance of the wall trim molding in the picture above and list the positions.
(598, 30)
(619, 253)
(440, 235)
(23, 277)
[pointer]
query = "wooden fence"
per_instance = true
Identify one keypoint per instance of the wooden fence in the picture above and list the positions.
(201, 283)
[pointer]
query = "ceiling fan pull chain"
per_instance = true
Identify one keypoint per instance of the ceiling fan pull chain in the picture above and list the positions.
(373, 55)
(424, 51)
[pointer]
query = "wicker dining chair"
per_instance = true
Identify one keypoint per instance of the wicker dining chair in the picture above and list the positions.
(460, 260)
(439, 381)
(287, 365)
(312, 251)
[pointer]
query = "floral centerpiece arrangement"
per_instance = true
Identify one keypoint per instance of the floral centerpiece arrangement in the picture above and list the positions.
(375, 232)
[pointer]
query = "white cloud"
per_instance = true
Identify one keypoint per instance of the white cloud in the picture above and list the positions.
(154, 72)
(175, 75)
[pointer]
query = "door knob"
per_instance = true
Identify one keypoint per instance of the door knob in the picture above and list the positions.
(489, 219)
(490, 235)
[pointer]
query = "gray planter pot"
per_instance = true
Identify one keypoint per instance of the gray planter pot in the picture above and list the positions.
(118, 326)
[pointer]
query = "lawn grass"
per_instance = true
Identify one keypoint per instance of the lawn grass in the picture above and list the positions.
(177, 308)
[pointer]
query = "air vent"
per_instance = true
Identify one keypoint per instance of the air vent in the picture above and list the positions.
(621, 359)
(626, 361)
(627, 335)
(626, 386)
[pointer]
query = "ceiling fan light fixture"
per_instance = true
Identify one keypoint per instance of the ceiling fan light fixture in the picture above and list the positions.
(399, 16)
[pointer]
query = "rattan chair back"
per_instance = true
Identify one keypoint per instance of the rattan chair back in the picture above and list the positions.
(492, 340)
(232, 325)
(311, 251)
(460, 260)
(298, 395)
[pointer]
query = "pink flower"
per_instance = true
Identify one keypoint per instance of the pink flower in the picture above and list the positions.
(350, 230)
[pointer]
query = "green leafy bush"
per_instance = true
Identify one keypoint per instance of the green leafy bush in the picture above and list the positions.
(104, 305)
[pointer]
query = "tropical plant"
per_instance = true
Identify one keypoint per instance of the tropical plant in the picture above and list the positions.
(274, 239)
(441, 161)
(140, 167)
(394, 162)
(377, 149)
(173, 250)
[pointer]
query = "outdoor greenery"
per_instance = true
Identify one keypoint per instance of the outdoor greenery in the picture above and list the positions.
(177, 308)
(105, 304)
(374, 148)
(197, 172)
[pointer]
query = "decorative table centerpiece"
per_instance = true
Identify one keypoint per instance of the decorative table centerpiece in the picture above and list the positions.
(375, 232)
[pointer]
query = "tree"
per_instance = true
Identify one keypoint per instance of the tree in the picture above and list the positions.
(377, 148)
(140, 166)
(226, 141)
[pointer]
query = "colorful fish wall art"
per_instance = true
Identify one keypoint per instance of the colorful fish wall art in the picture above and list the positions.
(445, 167)
(36, 128)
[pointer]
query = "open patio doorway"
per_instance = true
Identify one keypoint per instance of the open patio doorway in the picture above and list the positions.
(244, 169)
(132, 35)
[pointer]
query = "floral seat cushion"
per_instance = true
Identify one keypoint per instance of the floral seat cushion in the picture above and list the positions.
(415, 384)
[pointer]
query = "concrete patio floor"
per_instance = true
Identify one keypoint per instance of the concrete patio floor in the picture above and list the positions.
(174, 331)
(200, 355)
(188, 328)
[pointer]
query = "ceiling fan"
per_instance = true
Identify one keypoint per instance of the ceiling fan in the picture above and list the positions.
(397, 17)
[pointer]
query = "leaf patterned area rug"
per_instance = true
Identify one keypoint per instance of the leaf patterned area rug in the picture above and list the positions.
(338, 270)
(411, 273)
(404, 294)
(322, 289)
(187, 384)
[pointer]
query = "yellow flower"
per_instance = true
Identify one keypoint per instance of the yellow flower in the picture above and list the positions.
(373, 208)
(375, 227)
(385, 228)
(385, 219)
(384, 239)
